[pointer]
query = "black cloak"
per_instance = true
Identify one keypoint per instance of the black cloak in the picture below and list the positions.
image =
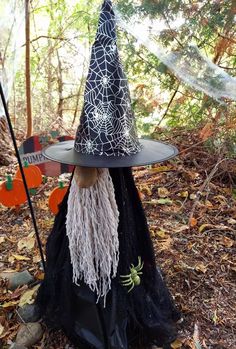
(145, 316)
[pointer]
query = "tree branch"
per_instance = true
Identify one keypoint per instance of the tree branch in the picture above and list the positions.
(47, 37)
(168, 106)
(227, 38)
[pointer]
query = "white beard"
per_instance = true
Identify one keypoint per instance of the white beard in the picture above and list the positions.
(92, 229)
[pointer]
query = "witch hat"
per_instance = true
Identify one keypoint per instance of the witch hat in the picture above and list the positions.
(107, 136)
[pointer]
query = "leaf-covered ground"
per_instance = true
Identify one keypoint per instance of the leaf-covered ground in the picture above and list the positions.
(191, 210)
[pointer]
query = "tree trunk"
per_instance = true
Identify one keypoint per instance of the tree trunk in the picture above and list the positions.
(6, 152)
(60, 88)
(78, 95)
(27, 70)
(49, 66)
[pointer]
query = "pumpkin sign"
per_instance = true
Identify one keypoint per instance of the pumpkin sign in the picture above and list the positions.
(12, 192)
(56, 197)
(32, 173)
(31, 151)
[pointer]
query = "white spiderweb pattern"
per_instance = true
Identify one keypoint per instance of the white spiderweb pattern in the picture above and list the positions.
(107, 124)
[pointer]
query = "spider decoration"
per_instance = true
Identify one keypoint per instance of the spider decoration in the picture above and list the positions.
(133, 278)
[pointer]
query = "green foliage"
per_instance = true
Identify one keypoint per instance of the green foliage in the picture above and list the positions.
(62, 33)
(206, 24)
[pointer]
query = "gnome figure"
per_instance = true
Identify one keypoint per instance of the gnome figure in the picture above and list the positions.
(102, 285)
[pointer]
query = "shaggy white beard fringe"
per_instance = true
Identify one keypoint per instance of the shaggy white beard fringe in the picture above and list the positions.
(92, 229)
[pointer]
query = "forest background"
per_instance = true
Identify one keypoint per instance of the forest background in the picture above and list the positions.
(54, 55)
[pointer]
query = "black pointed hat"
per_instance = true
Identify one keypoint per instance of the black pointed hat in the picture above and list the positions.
(106, 136)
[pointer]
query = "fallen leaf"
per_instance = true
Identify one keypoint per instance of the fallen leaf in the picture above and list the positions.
(11, 259)
(46, 223)
(227, 242)
(183, 194)
(32, 234)
(18, 292)
(161, 233)
(160, 169)
(204, 226)
(39, 275)
(206, 131)
(181, 228)
(47, 193)
(190, 245)
(10, 270)
(215, 318)
(192, 196)
(231, 221)
(201, 267)
(196, 336)
(141, 195)
(1, 329)
(176, 344)
(163, 201)
(151, 202)
(20, 258)
(163, 192)
(11, 240)
(221, 199)
(152, 233)
(208, 204)
(27, 243)
(11, 332)
(2, 320)
(43, 205)
(204, 193)
(193, 222)
(164, 244)
(2, 239)
(27, 297)
(9, 304)
(225, 257)
(215, 227)
(190, 344)
(37, 258)
(146, 189)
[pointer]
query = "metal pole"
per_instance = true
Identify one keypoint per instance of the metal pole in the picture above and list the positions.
(22, 174)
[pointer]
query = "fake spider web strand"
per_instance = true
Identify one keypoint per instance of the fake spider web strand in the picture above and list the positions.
(11, 43)
(189, 64)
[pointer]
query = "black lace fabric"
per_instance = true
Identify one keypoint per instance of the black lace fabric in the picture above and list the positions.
(145, 316)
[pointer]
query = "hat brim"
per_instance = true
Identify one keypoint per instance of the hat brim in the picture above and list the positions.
(152, 152)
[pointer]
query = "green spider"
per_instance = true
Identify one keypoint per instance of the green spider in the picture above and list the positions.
(133, 278)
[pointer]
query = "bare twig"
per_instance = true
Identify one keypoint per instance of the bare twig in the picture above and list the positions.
(204, 185)
(169, 104)
(192, 146)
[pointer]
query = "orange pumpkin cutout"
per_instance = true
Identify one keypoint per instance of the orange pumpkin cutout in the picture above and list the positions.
(56, 197)
(12, 192)
(33, 175)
